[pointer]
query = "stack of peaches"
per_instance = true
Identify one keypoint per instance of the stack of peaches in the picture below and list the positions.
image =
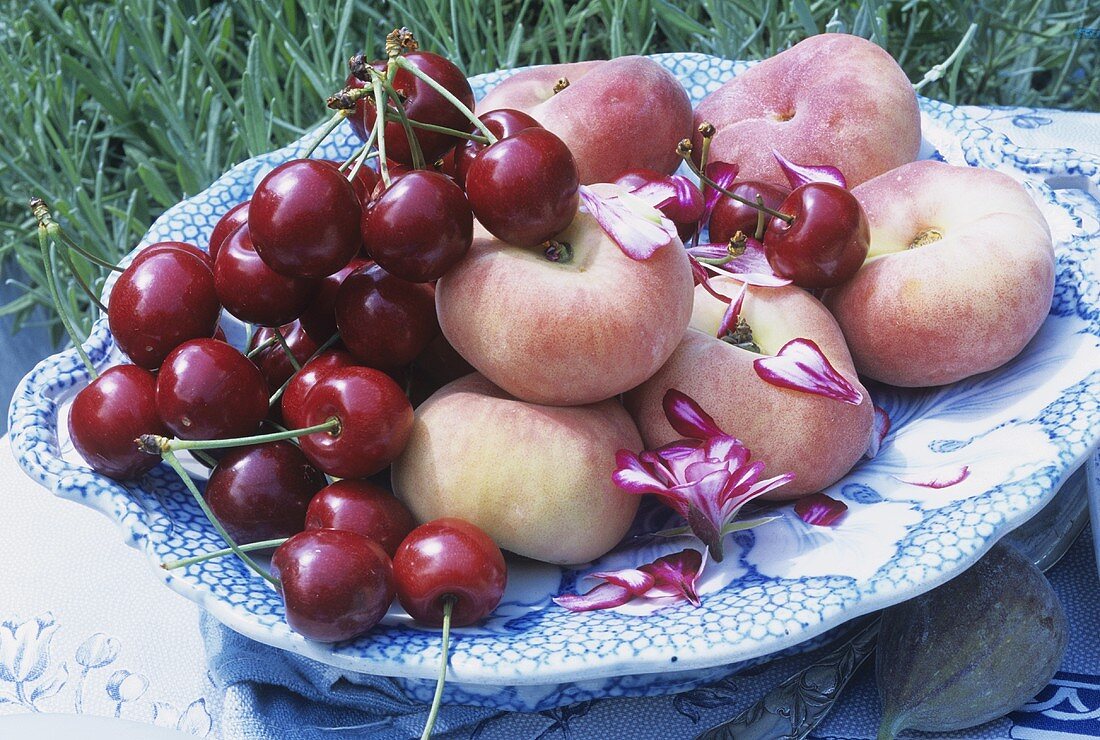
(574, 357)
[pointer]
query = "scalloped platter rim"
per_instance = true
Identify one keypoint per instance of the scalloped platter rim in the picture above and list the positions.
(1021, 429)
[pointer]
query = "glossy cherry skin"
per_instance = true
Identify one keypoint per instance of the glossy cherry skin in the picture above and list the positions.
(419, 227)
(503, 123)
(686, 217)
(366, 179)
(233, 219)
(252, 291)
(272, 360)
(449, 557)
(319, 320)
(304, 219)
(421, 103)
(173, 246)
(375, 421)
(261, 492)
(336, 585)
(109, 414)
(206, 389)
(293, 399)
(160, 302)
(825, 244)
(385, 321)
(729, 216)
(362, 507)
(524, 189)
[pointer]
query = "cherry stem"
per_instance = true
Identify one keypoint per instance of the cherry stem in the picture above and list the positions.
(282, 389)
(327, 129)
(437, 700)
(416, 72)
(174, 463)
(157, 445)
(759, 218)
(58, 233)
(250, 547)
(364, 154)
(67, 256)
(380, 129)
(789, 219)
(42, 215)
(203, 458)
(399, 111)
(449, 131)
(286, 348)
(260, 347)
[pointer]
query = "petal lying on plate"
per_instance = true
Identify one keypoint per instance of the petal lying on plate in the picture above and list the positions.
(879, 429)
(800, 366)
(667, 576)
(632, 579)
(637, 227)
(676, 574)
(800, 174)
(939, 479)
(819, 510)
(604, 596)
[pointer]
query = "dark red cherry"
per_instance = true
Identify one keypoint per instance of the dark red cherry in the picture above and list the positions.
(273, 361)
(366, 179)
(170, 246)
(304, 219)
(524, 189)
(233, 219)
(449, 558)
(161, 301)
(109, 414)
(319, 320)
(336, 585)
(252, 291)
(206, 389)
(375, 421)
(503, 123)
(385, 321)
(262, 492)
(362, 507)
(293, 398)
(684, 214)
(419, 227)
(827, 241)
(730, 216)
(421, 103)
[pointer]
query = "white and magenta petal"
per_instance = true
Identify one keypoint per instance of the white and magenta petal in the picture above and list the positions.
(637, 582)
(673, 189)
(723, 175)
(687, 417)
(638, 228)
(632, 475)
(939, 479)
(800, 174)
(800, 366)
(880, 427)
(676, 575)
(732, 313)
(604, 596)
(819, 510)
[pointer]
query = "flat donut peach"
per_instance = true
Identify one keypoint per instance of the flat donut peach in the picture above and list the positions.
(959, 277)
(831, 99)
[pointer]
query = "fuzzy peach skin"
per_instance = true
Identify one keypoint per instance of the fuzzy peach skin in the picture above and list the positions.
(831, 99)
(816, 438)
(959, 277)
(536, 478)
(565, 333)
(615, 115)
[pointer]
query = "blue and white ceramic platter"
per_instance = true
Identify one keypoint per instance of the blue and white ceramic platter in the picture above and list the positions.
(1021, 429)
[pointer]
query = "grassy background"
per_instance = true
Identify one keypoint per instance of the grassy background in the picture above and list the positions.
(113, 111)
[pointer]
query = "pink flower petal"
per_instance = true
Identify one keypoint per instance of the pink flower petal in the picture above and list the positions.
(632, 475)
(687, 417)
(750, 267)
(761, 280)
(701, 277)
(721, 174)
(636, 227)
(800, 366)
(940, 479)
(604, 596)
(711, 251)
(635, 581)
(819, 510)
(800, 174)
(672, 190)
(879, 429)
(676, 574)
(733, 312)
